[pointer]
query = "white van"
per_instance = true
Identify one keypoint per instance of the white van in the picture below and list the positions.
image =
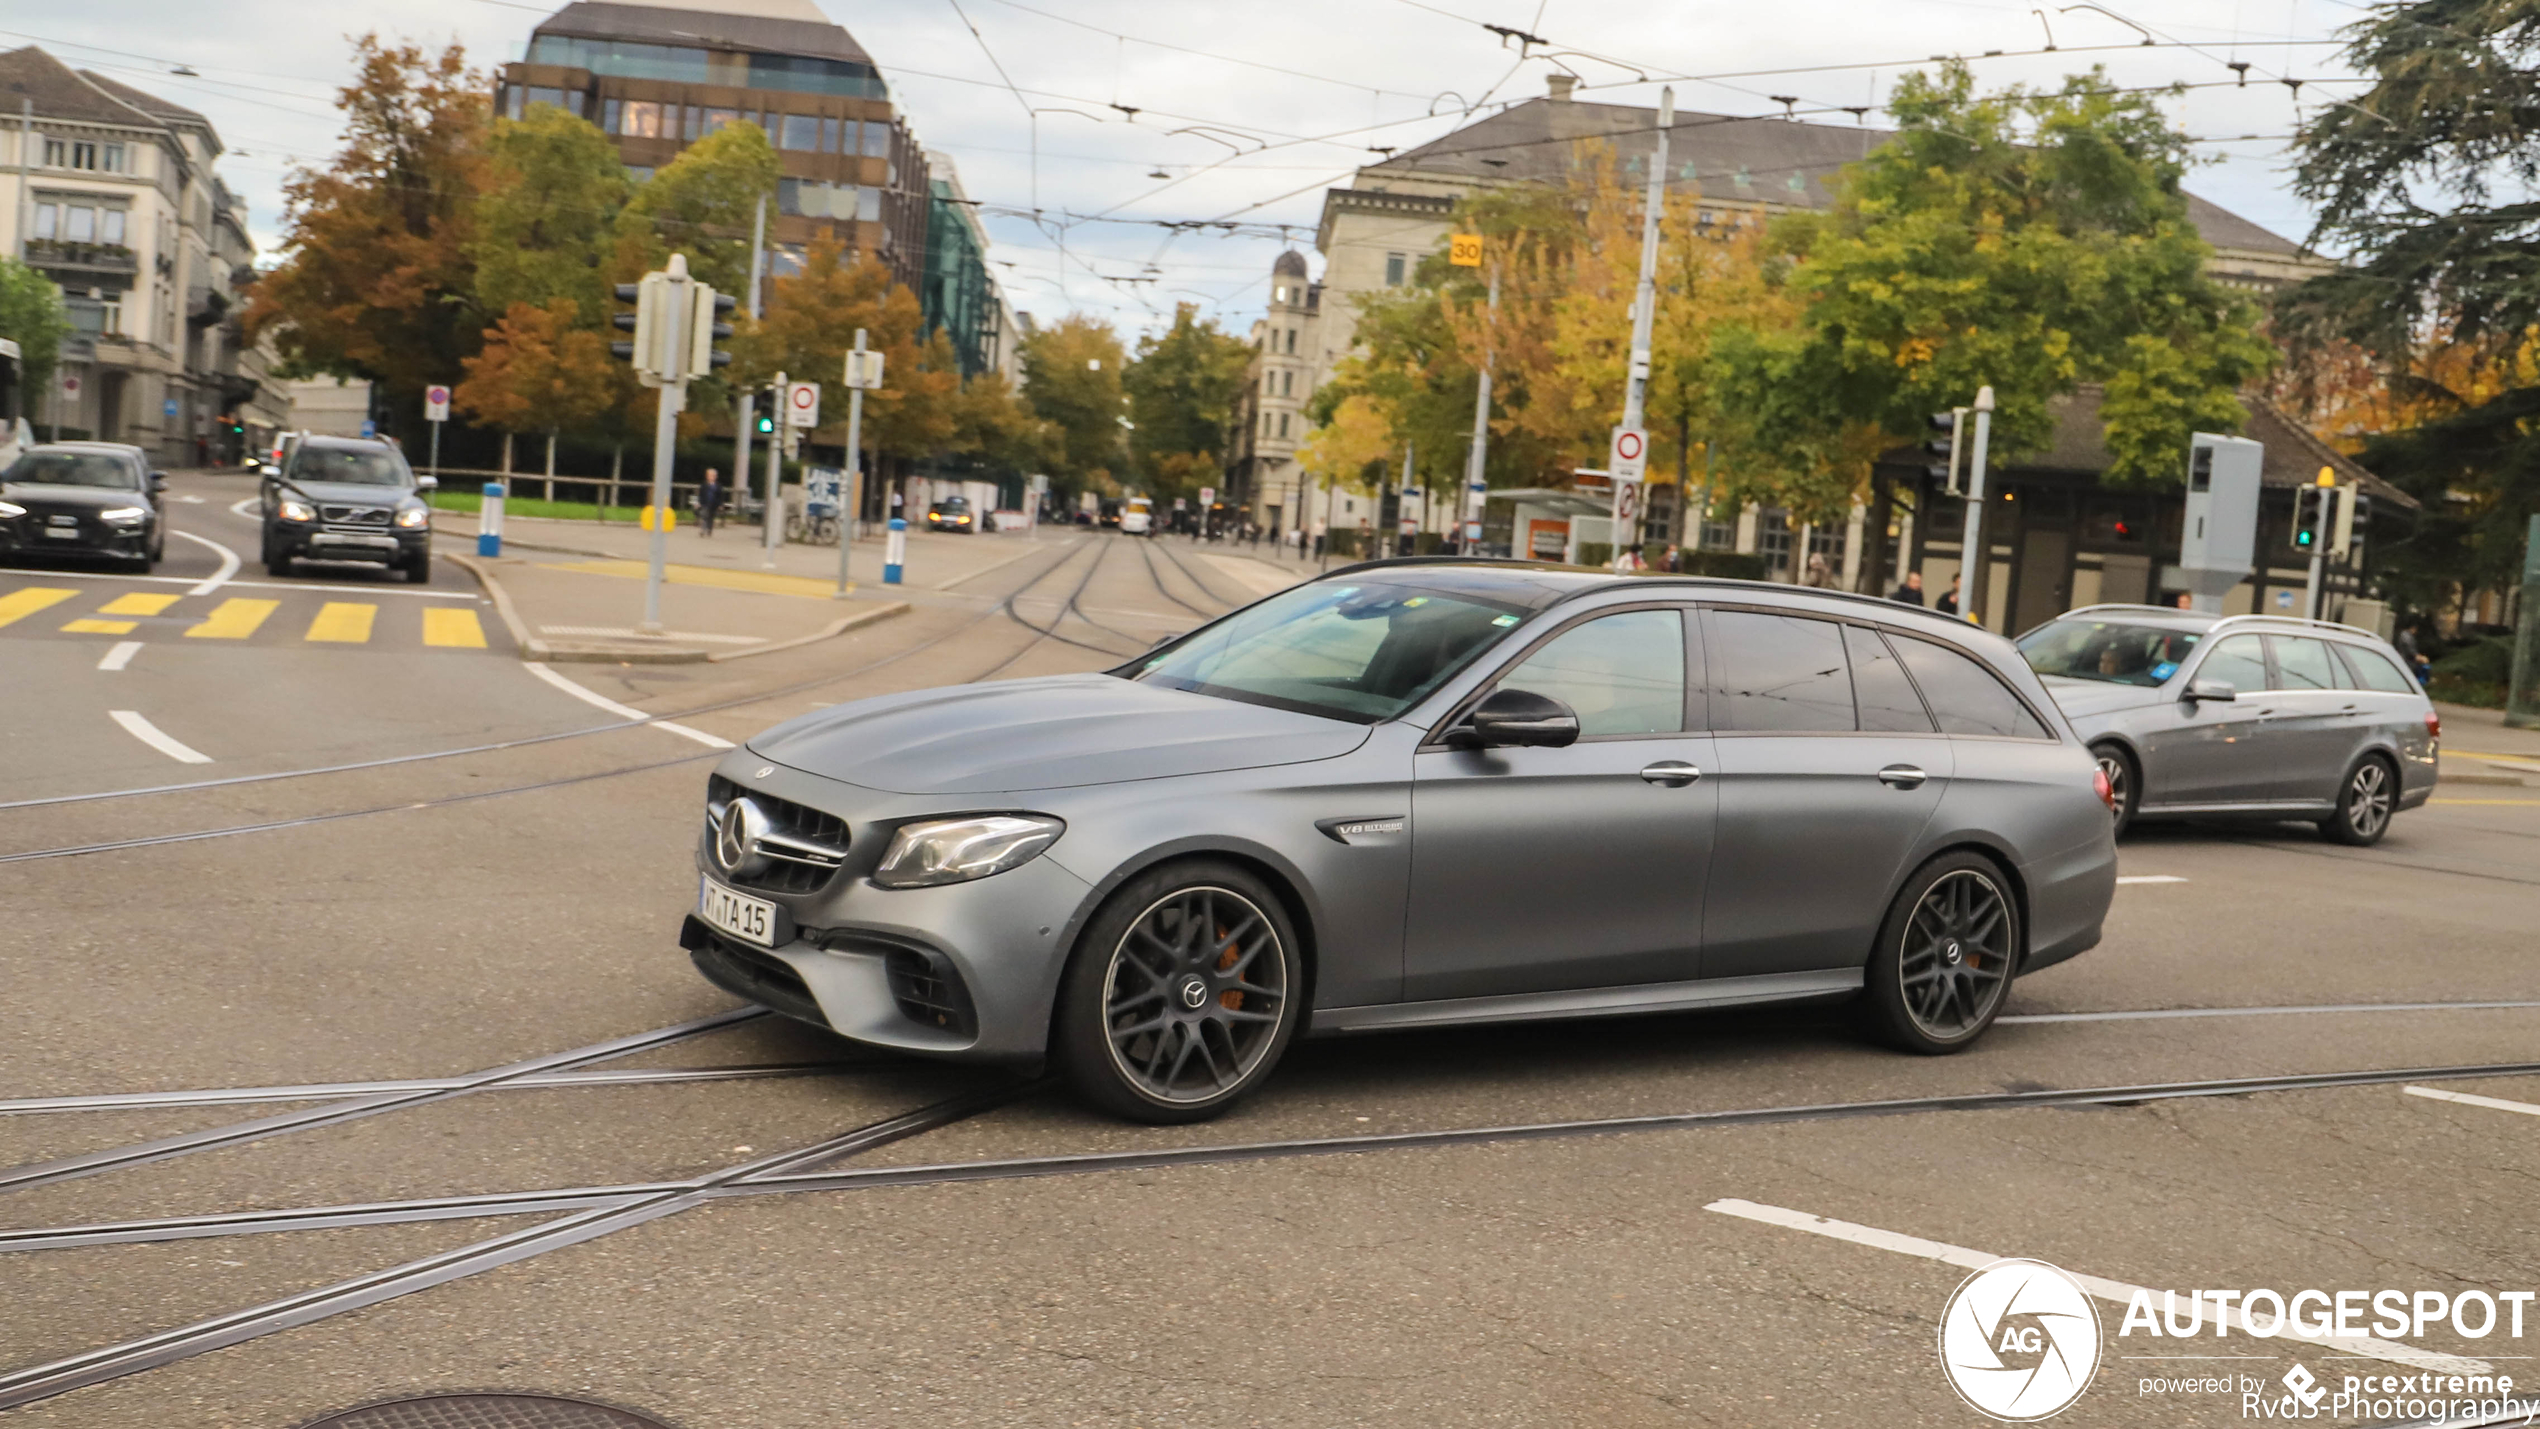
(1137, 518)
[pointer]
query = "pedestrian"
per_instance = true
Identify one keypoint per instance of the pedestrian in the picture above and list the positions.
(709, 500)
(1628, 559)
(2184, 600)
(1911, 592)
(1948, 602)
(1819, 574)
(1674, 562)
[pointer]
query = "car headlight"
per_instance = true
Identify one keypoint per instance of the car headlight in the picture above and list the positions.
(957, 850)
(298, 511)
(10, 511)
(414, 516)
(124, 515)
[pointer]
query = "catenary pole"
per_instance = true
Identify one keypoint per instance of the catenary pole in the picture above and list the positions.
(1645, 304)
(1477, 457)
(1971, 555)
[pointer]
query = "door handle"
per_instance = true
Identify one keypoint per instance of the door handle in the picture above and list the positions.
(1674, 773)
(1902, 776)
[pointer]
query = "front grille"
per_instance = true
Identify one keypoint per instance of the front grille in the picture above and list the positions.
(749, 972)
(928, 991)
(356, 515)
(786, 873)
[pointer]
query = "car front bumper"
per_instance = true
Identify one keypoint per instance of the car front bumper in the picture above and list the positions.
(24, 536)
(387, 548)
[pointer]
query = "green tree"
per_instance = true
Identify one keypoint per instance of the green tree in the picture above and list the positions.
(703, 204)
(2032, 240)
(31, 316)
(1072, 379)
(1182, 390)
(2426, 178)
(375, 278)
(994, 427)
(811, 322)
(545, 224)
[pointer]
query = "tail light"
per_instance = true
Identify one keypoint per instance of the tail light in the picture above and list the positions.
(2433, 725)
(2107, 792)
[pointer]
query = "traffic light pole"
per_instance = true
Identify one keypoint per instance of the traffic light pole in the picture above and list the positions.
(2319, 542)
(1476, 484)
(776, 467)
(1971, 552)
(673, 395)
(1645, 305)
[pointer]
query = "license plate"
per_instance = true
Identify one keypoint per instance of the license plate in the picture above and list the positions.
(329, 538)
(62, 533)
(753, 919)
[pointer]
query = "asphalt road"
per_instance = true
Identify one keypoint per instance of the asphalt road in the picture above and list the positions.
(440, 917)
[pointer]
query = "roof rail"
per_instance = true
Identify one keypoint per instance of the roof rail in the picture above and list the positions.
(2121, 605)
(2296, 620)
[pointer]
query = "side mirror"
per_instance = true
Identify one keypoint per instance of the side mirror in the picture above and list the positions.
(2201, 690)
(158, 482)
(427, 483)
(269, 470)
(1522, 717)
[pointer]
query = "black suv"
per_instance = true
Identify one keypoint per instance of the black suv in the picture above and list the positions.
(84, 499)
(343, 499)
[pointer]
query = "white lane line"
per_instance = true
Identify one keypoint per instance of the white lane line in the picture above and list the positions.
(190, 499)
(593, 697)
(2150, 878)
(2116, 1291)
(2161, 1013)
(2465, 1099)
(120, 656)
(150, 734)
(59, 575)
(228, 562)
(239, 508)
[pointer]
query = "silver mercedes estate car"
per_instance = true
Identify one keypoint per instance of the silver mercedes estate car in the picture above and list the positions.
(2243, 716)
(1415, 793)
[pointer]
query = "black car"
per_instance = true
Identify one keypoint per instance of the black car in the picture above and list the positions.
(343, 499)
(953, 513)
(84, 499)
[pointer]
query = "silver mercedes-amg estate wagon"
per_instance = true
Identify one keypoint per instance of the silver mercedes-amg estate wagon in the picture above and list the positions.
(1415, 793)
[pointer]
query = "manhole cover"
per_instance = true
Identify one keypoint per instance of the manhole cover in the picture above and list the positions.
(487, 1411)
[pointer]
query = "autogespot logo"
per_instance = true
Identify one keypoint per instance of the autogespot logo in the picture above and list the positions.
(2019, 1341)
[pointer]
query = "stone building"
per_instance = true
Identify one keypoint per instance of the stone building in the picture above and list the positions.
(116, 201)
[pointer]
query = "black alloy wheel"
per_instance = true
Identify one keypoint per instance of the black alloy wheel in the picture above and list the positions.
(2124, 785)
(1946, 955)
(2364, 804)
(1181, 996)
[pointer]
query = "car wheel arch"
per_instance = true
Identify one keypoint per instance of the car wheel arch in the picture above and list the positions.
(1993, 853)
(1282, 877)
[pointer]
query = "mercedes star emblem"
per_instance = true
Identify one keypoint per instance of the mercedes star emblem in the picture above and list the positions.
(737, 831)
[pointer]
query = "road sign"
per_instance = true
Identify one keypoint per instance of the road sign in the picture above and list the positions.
(1630, 453)
(168, 408)
(370, 429)
(436, 404)
(70, 385)
(1208, 496)
(864, 369)
(821, 487)
(1464, 250)
(1626, 513)
(802, 404)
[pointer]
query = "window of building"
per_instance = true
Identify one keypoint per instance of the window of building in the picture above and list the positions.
(1394, 265)
(48, 220)
(799, 131)
(110, 225)
(642, 119)
(717, 118)
(1287, 383)
(1772, 540)
(1827, 541)
(70, 153)
(640, 173)
(808, 198)
(113, 162)
(786, 260)
(612, 112)
(79, 223)
(1291, 342)
(1283, 426)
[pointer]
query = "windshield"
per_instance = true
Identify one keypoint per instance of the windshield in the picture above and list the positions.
(1363, 651)
(2107, 651)
(73, 469)
(953, 503)
(357, 466)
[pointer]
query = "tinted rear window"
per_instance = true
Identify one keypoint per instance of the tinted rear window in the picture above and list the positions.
(1887, 699)
(2376, 672)
(1964, 696)
(1779, 672)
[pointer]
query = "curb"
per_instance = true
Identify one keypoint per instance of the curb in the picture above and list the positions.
(837, 627)
(536, 649)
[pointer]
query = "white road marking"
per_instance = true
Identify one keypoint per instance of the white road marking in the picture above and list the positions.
(120, 656)
(191, 499)
(2116, 1291)
(228, 562)
(239, 508)
(593, 697)
(273, 585)
(2150, 878)
(2156, 1014)
(150, 734)
(2465, 1099)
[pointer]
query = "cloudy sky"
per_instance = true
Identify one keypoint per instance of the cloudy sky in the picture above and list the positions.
(1246, 110)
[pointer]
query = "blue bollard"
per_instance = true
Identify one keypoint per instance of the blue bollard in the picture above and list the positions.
(489, 521)
(894, 550)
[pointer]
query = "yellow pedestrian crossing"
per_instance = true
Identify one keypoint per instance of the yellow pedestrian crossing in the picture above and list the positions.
(19, 604)
(224, 616)
(453, 625)
(345, 622)
(233, 619)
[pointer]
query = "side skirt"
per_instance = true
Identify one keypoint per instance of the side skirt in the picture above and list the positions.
(1591, 1002)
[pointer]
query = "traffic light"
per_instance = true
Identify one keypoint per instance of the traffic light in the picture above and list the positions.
(763, 412)
(2309, 502)
(709, 329)
(1942, 446)
(663, 356)
(2351, 523)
